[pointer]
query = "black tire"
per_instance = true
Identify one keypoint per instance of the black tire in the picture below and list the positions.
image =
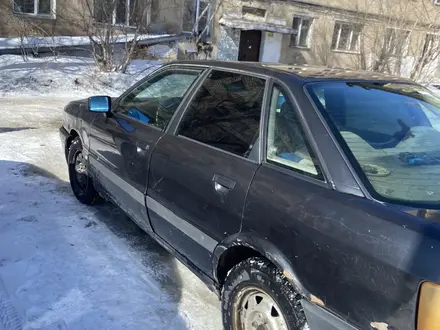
(83, 188)
(261, 274)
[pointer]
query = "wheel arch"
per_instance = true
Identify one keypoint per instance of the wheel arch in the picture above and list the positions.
(72, 135)
(242, 246)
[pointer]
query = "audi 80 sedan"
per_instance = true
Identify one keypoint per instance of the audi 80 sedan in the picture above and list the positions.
(305, 197)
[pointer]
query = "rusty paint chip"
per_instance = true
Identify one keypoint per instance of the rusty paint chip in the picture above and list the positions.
(288, 275)
(379, 325)
(316, 300)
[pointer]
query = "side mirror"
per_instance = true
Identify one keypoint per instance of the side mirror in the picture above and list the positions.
(100, 104)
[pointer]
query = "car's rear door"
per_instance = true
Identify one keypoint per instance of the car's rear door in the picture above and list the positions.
(121, 142)
(200, 172)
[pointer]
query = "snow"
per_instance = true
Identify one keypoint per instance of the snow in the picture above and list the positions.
(163, 51)
(65, 76)
(434, 88)
(57, 41)
(64, 265)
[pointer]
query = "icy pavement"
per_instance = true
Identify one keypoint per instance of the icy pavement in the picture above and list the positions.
(67, 266)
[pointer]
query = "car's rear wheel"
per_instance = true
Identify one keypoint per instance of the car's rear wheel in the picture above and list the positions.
(80, 181)
(257, 296)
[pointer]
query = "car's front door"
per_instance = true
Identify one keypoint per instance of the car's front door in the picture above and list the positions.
(200, 172)
(121, 142)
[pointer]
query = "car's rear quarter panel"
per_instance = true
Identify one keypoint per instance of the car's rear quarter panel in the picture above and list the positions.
(363, 260)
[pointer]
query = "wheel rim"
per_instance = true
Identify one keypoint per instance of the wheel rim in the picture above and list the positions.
(80, 171)
(254, 309)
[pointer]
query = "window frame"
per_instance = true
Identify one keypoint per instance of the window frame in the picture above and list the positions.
(126, 24)
(352, 26)
(51, 15)
(405, 47)
(173, 130)
(320, 179)
(292, 44)
(253, 11)
(158, 72)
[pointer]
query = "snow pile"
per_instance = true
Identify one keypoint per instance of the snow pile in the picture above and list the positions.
(163, 51)
(67, 266)
(57, 41)
(65, 76)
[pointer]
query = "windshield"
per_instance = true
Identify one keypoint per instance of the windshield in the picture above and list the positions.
(393, 132)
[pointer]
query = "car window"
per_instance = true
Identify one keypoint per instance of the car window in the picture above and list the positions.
(225, 112)
(392, 131)
(286, 143)
(154, 101)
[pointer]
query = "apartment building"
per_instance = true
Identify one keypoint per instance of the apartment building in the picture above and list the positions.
(70, 17)
(392, 36)
(398, 37)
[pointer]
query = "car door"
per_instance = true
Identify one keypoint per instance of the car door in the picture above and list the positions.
(289, 199)
(121, 142)
(201, 171)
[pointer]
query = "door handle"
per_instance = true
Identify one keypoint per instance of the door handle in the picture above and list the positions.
(142, 146)
(223, 185)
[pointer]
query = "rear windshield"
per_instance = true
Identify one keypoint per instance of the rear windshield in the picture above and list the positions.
(392, 131)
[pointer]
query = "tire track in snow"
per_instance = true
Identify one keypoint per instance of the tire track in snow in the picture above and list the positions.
(9, 318)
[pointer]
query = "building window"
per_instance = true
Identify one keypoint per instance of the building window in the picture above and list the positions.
(303, 26)
(346, 37)
(119, 12)
(245, 10)
(34, 7)
(396, 41)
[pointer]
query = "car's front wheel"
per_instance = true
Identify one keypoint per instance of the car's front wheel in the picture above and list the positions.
(80, 181)
(257, 296)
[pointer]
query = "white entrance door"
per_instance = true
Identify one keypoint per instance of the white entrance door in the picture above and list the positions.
(270, 50)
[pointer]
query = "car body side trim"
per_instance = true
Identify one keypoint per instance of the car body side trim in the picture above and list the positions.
(320, 319)
(185, 227)
(182, 225)
(124, 185)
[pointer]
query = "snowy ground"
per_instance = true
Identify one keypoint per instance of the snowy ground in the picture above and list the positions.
(61, 76)
(67, 266)
(56, 41)
(64, 265)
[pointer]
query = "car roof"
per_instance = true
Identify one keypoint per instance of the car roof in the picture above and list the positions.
(305, 73)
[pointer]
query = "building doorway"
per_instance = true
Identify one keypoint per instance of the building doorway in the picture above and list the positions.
(250, 43)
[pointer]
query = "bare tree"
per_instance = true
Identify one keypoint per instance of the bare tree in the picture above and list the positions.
(385, 36)
(426, 62)
(322, 49)
(114, 28)
(397, 38)
(426, 53)
(411, 46)
(30, 32)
